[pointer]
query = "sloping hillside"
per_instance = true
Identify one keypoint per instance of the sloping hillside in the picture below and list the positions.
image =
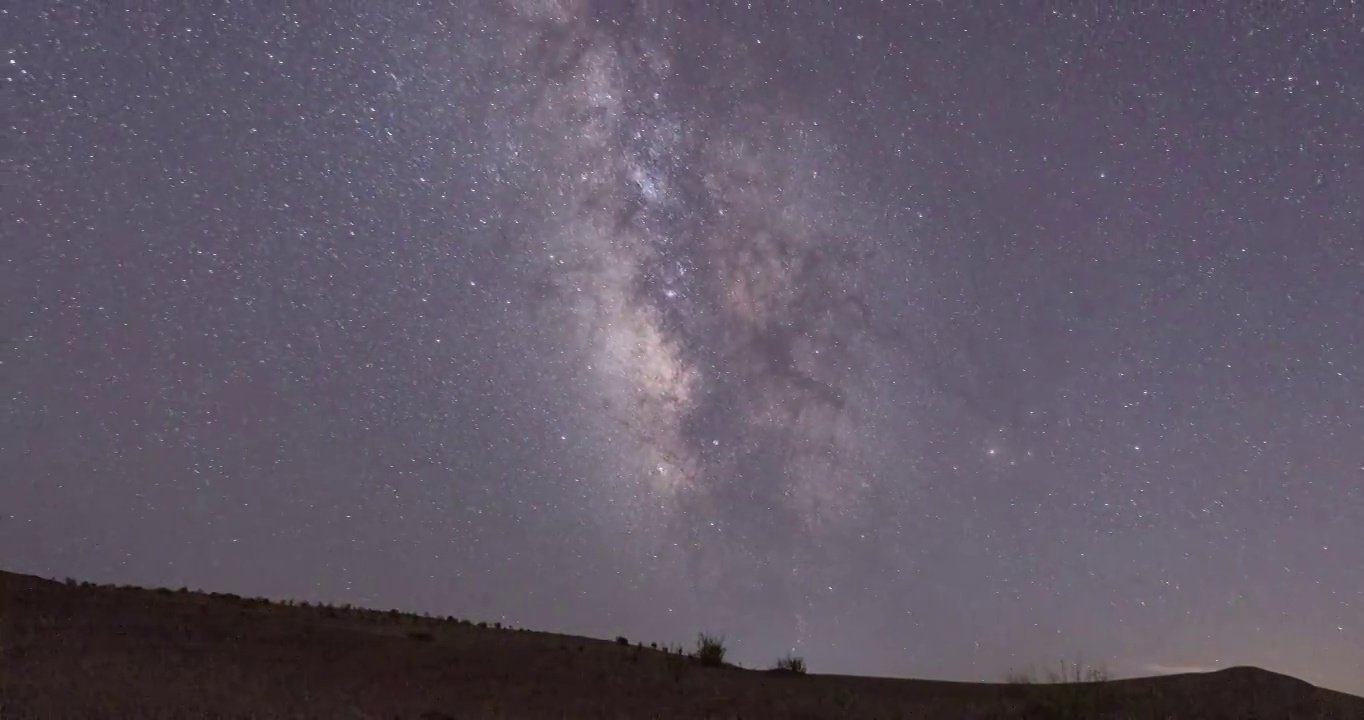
(82, 651)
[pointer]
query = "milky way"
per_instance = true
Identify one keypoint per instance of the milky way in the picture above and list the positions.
(699, 263)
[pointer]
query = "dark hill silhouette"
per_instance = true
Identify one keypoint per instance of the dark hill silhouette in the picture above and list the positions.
(76, 650)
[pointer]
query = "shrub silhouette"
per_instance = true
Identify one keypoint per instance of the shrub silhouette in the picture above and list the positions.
(710, 650)
(791, 664)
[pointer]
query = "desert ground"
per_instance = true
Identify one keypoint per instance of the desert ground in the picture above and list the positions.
(78, 650)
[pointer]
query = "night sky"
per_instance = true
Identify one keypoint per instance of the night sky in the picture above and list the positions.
(935, 339)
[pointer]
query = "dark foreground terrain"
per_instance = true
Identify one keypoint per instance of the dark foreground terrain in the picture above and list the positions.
(70, 650)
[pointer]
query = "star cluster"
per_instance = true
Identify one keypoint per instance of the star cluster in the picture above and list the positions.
(917, 340)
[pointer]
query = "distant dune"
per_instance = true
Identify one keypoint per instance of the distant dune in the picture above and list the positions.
(1158, 669)
(72, 650)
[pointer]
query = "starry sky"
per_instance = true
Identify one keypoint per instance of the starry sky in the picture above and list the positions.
(931, 339)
